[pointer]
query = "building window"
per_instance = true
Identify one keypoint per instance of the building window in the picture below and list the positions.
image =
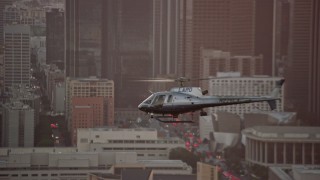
(97, 136)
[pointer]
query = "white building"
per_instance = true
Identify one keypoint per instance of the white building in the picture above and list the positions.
(18, 125)
(17, 55)
(282, 146)
(244, 86)
(215, 61)
(144, 142)
(68, 163)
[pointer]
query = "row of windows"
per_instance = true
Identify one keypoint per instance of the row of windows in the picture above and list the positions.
(119, 148)
(145, 141)
(43, 175)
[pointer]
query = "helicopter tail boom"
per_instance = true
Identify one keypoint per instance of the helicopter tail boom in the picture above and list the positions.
(276, 90)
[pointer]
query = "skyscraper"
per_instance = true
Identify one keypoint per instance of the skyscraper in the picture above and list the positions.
(134, 55)
(18, 126)
(165, 36)
(302, 73)
(84, 46)
(221, 25)
(16, 55)
(87, 112)
(90, 87)
(55, 38)
(264, 13)
(110, 39)
(3, 3)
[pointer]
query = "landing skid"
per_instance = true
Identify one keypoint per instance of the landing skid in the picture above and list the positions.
(158, 118)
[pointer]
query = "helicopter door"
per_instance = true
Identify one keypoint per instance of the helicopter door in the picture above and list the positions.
(159, 100)
(170, 98)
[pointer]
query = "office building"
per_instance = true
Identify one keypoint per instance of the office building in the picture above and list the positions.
(67, 163)
(165, 36)
(17, 125)
(55, 38)
(16, 55)
(280, 36)
(214, 61)
(282, 146)
(245, 86)
(3, 4)
(54, 76)
(86, 112)
(20, 15)
(223, 25)
(302, 72)
(58, 97)
(86, 58)
(27, 95)
(145, 142)
(91, 87)
(110, 39)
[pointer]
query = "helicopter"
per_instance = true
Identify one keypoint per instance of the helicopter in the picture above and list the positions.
(180, 100)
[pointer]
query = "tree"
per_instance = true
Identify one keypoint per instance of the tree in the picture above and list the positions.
(185, 156)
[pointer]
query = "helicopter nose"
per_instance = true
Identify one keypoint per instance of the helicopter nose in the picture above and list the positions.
(141, 107)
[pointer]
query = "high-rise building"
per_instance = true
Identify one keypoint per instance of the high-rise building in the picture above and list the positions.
(214, 61)
(55, 38)
(245, 86)
(302, 72)
(110, 39)
(3, 3)
(87, 112)
(165, 36)
(222, 25)
(20, 15)
(280, 36)
(91, 87)
(16, 55)
(18, 125)
(84, 36)
(264, 27)
(28, 96)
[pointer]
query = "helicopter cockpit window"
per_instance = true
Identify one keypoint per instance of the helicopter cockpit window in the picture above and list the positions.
(149, 99)
(159, 100)
(170, 98)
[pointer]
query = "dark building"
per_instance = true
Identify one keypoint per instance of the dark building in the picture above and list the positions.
(165, 36)
(134, 57)
(271, 34)
(55, 38)
(110, 39)
(222, 25)
(84, 37)
(264, 33)
(3, 3)
(302, 72)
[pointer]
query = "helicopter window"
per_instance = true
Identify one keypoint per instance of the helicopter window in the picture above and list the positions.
(149, 99)
(170, 98)
(159, 100)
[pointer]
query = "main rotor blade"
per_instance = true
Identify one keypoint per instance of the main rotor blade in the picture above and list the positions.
(154, 80)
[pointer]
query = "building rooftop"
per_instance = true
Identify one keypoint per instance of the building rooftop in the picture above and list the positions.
(284, 132)
(116, 129)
